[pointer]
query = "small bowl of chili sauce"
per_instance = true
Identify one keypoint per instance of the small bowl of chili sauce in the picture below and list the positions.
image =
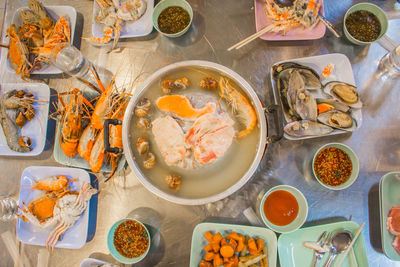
(172, 18)
(128, 241)
(283, 209)
(365, 23)
(335, 166)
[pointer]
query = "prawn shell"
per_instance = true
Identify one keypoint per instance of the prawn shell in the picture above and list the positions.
(86, 142)
(97, 154)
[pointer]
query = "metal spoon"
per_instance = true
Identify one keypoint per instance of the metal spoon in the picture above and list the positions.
(340, 242)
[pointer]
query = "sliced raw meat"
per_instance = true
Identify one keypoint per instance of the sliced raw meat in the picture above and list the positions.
(210, 137)
(170, 139)
(393, 220)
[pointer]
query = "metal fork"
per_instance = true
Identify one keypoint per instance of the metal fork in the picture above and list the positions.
(322, 242)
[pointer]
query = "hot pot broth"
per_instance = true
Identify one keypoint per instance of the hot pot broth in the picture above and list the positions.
(213, 178)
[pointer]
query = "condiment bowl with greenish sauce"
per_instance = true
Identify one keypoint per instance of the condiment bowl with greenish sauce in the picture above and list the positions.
(354, 162)
(163, 5)
(375, 10)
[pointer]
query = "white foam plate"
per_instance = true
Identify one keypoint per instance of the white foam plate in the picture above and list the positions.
(141, 27)
(36, 128)
(89, 262)
(73, 238)
(342, 72)
(55, 12)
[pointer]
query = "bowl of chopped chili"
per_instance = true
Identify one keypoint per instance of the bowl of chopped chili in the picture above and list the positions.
(128, 241)
(335, 166)
(172, 18)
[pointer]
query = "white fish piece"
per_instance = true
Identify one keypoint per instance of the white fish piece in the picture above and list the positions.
(170, 139)
(315, 246)
(210, 137)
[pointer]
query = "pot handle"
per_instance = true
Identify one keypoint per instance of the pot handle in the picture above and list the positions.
(274, 110)
(107, 122)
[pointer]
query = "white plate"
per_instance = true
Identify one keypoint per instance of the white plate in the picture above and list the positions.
(36, 128)
(89, 262)
(342, 72)
(199, 241)
(75, 237)
(141, 27)
(55, 12)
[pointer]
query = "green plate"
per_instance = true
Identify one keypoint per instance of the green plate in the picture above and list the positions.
(293, 253)
(389, 196)
(199, 241)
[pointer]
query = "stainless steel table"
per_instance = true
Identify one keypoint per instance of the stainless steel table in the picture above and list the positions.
(217, 25)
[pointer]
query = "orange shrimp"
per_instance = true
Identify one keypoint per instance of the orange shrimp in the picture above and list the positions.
(97, 154)
(240, 104)
(103, 105)
(86, 142)
(71, 122)
(52, 183)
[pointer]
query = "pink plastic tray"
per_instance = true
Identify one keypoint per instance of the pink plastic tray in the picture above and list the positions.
(296, 33)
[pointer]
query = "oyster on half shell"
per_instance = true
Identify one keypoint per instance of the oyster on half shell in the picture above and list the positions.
(343, 92)
(306, 105)
(338, 119)
(307, 128)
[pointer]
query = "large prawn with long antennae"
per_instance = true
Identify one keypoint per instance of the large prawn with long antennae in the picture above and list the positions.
(240, 105)
(71, 120)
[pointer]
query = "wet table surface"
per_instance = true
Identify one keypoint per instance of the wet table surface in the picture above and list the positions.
(216, 26)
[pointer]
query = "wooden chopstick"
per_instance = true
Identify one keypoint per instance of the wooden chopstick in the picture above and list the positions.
(251, 38)
(351, 244)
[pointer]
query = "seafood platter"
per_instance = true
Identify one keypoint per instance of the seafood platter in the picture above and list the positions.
(317, 95)
(81, 131)
(33, 33)
(189, 121)
(237, 244)
(54, 202)
(115, 19)
(24, 112)
(389, 200)
(290, 19)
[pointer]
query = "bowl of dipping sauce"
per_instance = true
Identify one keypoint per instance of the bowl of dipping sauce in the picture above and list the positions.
(335, 166)
(365, 23)
(128, 241)
(284, 209)
(172, 18)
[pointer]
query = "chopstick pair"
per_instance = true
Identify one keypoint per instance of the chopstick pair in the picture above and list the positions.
(351, 244)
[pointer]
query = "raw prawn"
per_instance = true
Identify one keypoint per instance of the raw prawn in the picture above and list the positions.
(180, 106)
(240, 104)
